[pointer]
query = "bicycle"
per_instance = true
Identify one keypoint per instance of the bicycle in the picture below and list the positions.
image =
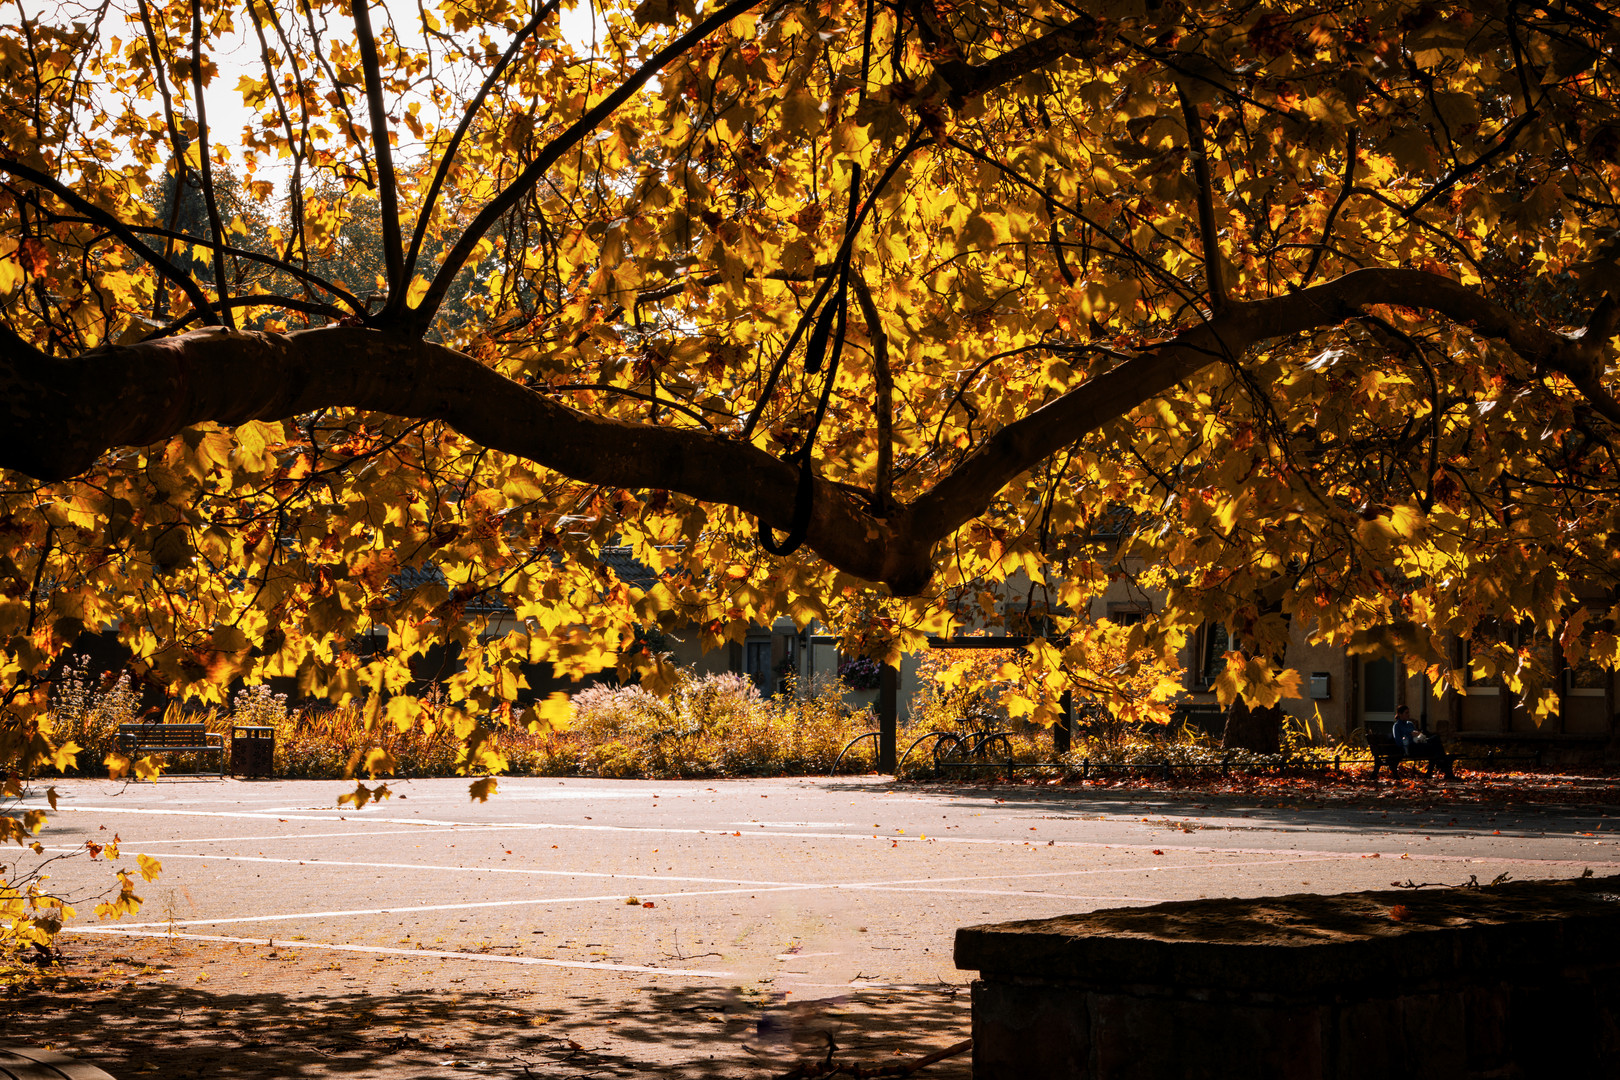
(979, 738)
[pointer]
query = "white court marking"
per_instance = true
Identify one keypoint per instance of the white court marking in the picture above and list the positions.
(451, 869)
(796, 824)
(901, 885)
(367, 825)
(603, 965)
(470, 905)
(447, 825)
(352, 835)
(522, 871)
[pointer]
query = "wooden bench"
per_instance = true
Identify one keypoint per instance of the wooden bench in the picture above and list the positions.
(1386, 752)
(29, 1063)
(137, 740)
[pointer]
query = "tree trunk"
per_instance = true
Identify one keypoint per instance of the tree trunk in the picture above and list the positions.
(1248, 728)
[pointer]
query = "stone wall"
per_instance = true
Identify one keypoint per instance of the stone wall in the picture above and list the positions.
(1516, 980)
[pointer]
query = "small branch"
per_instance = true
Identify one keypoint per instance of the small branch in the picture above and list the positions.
(705, 281)
(215, 226)
(284, 265)
(883, 407)
(159, 76)
(387, 190)
(1206, 202)
(638, 395)
(1333, 213)
(853, 220)
(291, 303)
(39, 576)
(1603, 323)
(828, 1068)
(1415, 349)
(1057, 246)
(497, 208)
(418, 234)
(100, 217)
(1122, 246)
(1462, 172)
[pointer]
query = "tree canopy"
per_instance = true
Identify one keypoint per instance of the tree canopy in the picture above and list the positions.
(844, 310)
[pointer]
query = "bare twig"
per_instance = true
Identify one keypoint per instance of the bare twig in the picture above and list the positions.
(577, 132)
(1333, 213)
(118, 229)
(449, 156)
(883, 407)
(817, 1070)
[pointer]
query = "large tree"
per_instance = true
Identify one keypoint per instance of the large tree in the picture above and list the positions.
(847, 310)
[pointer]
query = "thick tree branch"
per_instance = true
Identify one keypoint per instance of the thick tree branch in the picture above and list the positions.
(966, 491)
(65, 412)
(1081, 38)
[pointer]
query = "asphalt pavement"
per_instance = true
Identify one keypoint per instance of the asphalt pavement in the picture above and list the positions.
(811, 886)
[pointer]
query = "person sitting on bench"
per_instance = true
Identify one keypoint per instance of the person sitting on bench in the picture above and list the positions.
(1415, 745)
(1406, 734)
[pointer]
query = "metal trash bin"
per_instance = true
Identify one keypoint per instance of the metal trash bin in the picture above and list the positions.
(253, 751)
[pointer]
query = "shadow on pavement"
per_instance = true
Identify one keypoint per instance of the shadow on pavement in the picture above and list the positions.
(1543, 805)
(146, 1021)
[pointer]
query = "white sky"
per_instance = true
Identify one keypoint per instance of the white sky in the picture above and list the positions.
(239, 55)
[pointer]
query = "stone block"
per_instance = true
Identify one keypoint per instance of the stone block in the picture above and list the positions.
(1470, 984)
(1021, 1031)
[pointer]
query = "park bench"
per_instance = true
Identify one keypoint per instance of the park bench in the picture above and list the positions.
(138, 740)
(1386, 752)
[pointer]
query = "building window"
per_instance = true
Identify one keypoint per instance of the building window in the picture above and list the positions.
(1484, 636)
(1587, 678)
(757, 663)
(1212, 660)
(1128, 614)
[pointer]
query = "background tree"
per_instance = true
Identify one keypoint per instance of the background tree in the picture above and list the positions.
(843, 310)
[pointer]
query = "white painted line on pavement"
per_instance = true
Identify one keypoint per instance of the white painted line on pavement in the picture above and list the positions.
(451, 869)
(903, 885)
(402, 909)
(1027, 894)
(523, 871)
(601, 965)
(655, 830)
(1102, 870)
(796, 824)
(351, 835)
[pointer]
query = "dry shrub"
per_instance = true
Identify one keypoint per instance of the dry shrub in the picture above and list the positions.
(711, 725)
(818, 725)
(88, 714)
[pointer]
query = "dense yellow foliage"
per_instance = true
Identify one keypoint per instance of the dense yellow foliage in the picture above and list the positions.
(1306, 310)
